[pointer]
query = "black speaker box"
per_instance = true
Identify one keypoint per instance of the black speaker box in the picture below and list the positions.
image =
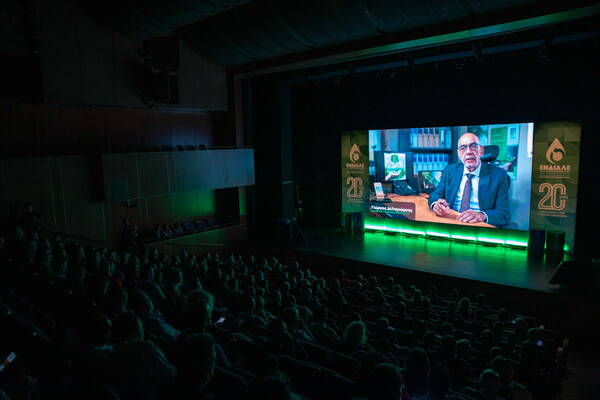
(555, 245)
(358, 223)
(537, 243)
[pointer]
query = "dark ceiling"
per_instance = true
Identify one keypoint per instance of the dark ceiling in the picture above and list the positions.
(246, 35)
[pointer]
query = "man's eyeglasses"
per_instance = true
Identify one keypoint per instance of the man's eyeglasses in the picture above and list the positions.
(473, 146)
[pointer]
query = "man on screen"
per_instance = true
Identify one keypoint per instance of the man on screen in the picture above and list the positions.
(479, 192)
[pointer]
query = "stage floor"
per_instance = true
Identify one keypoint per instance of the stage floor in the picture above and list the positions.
(475, 262)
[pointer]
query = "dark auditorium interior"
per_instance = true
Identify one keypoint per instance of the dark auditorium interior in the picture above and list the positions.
(173, 208)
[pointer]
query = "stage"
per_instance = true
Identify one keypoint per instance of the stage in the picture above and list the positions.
(506, 276)
(440, 258)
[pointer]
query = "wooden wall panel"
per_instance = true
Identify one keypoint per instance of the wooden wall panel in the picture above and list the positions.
(84, 216)
(187, 131)
(159, 211)
(19, 128)
(191, 171)
(135, 175)
(124, 129)
(28, 180)
(118, 213)
(121, 177)
(55, 130)
(90, 130)
(157, 131)
(59, 189)
(153, 173)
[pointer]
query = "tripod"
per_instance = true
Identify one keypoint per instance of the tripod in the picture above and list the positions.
(297, 229)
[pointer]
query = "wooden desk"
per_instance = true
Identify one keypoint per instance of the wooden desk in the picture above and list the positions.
(422, 212)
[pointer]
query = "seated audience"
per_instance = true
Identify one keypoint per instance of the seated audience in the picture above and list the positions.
(509, 389)
(355, 339)
(195, 359)
(416, 371)
(439, 384)
(489, 383)
(323, 333)
(147, 284)
(385, 382)
(136, 368)
(152, 321)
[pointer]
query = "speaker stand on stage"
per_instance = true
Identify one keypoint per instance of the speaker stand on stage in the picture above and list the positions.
(299, 231)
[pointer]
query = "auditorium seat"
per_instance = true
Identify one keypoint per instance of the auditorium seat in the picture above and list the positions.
(189, 228)
(340, 363)
(20, 334)
(316, 382)
(200, 225)
(226, 385)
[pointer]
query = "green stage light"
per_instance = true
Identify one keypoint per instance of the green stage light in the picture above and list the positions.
(510, 238)
(463, 237)
(413, 232)
(438, 234)
(516, 243)
(490, 240)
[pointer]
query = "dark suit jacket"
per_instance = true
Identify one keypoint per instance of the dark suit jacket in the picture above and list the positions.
(493, 191)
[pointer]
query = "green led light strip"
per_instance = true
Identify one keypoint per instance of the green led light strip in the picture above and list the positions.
(438, 234)
(516, 243)
(490, 240)
(484, 236)
(464, 237)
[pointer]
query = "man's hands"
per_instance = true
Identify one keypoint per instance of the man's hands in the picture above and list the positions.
(471, 216)
(441, 208)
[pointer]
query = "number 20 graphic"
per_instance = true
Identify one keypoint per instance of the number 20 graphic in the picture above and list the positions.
(555, 197)
(356, 187)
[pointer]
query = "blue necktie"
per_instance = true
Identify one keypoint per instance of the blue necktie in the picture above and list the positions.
(465, 202)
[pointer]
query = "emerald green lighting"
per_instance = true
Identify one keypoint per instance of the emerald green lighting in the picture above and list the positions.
(413, 232)
(477, 235)
(438, 234)
(463, 237)
(516, 243)
(507, 239)
(373, 227)
(491, 240)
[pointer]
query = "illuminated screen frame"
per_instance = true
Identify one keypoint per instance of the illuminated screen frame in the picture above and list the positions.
(552, 148)
(437, 144)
